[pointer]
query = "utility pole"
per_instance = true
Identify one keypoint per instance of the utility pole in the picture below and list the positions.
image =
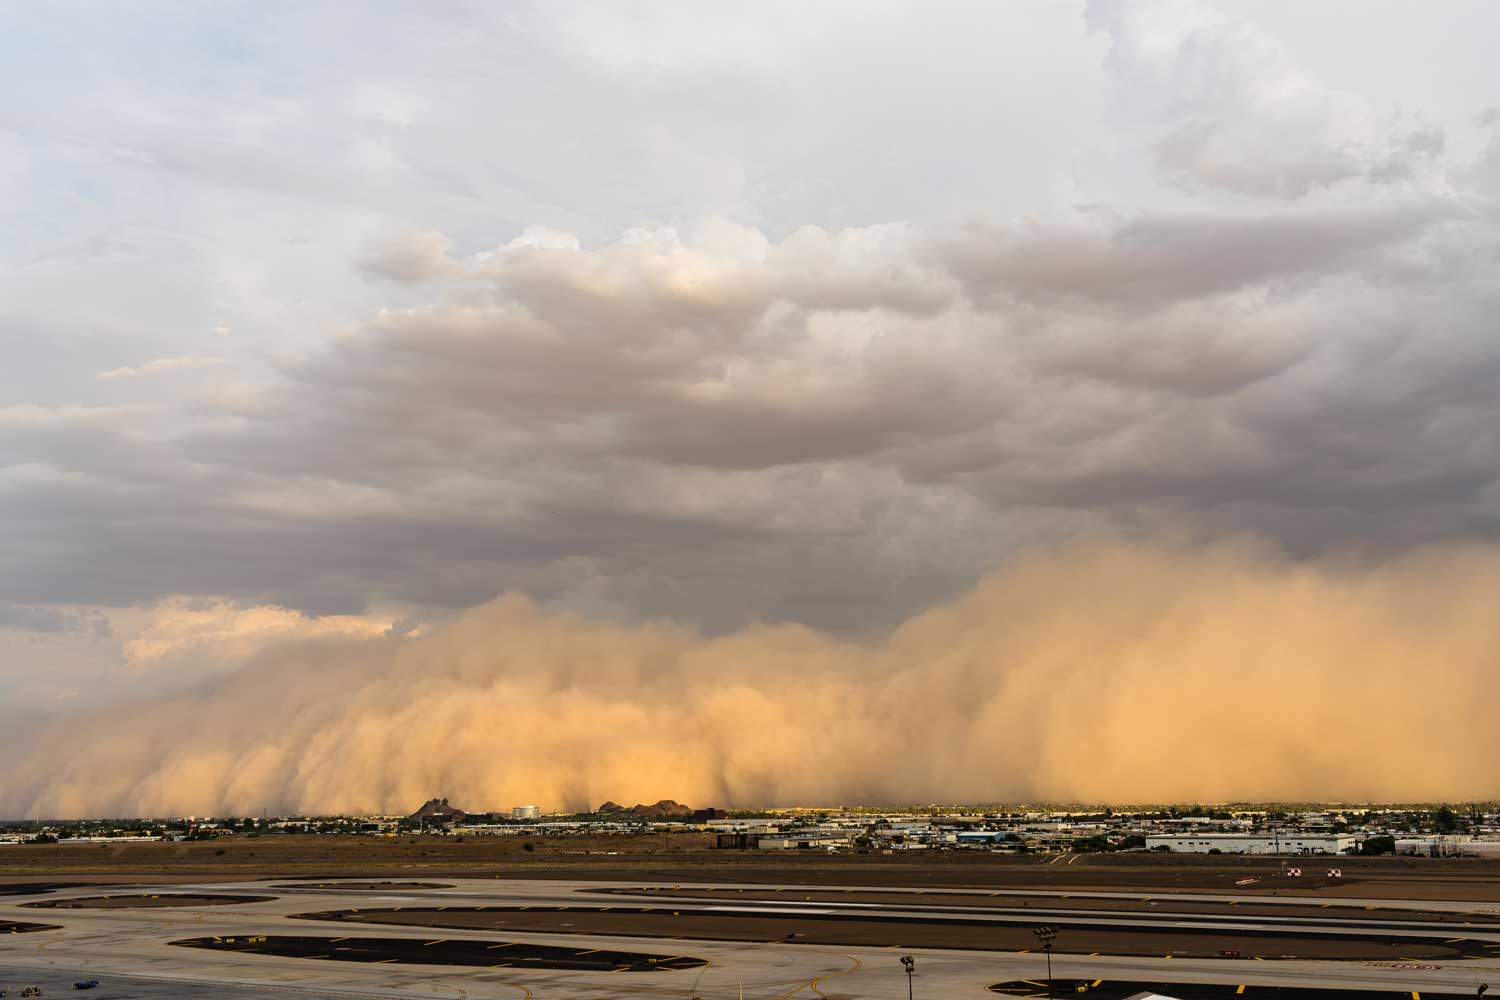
(1045, 935)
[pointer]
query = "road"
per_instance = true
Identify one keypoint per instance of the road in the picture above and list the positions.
(129, 950)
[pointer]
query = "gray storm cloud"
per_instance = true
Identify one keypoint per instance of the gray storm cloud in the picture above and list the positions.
(1100, 671)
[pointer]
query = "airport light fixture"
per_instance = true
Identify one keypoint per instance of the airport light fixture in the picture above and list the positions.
(1481, 991)
(1045, 935)
(911, 967)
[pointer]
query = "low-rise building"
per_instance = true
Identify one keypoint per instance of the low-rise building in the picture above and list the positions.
(1234, 843)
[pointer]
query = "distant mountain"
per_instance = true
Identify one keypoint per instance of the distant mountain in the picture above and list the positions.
(665, 809)
(439, 810)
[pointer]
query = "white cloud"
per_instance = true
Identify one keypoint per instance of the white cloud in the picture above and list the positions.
(156, 367)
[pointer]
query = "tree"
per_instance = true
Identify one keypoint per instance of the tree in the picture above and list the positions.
(1378, 845)
(1444, 820)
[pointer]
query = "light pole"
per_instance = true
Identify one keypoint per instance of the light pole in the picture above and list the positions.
(911, 967)
(1045, 935)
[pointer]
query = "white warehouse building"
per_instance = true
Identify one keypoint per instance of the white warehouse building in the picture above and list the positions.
(1233, 843)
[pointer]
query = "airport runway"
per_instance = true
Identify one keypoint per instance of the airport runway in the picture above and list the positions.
(129, 949)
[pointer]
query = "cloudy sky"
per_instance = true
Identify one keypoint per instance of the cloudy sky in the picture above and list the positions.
(317, 327)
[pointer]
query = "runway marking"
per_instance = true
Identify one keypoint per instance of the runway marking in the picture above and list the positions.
(1033, 982)
(1024, 951)
(334, 941)
(429, 944)
(1454, 940)
(1240, 989)
(508, 944)
(386, 961)
(501, 965)
(1094, 954)
(842, 972)
(591, 951)
(1415, 995)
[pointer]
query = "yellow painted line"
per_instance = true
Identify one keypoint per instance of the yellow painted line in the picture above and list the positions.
(337, 940)
(1167, 958)
(1415, 995)
(1023, 951)
(1094, 954)
(1259, 959)
(1095, 983)
(591, 951)
(605, 909)
(1454, 940)
(1240, 989)
(501, 965)
(508, 944)
(429, 944)
(387, 961)
(622, 968)
(1033, 982)
(525, 907)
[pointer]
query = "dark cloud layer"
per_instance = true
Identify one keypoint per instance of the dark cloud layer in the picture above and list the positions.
(717, 405)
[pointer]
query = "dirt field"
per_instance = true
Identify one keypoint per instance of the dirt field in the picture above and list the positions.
(363, 886)
(957, 932)
(690, 857)
(486, 954)
(1164, 905)
(146, 902)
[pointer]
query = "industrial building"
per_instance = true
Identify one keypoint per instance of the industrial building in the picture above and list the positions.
(1233, 843)
(525, 812)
